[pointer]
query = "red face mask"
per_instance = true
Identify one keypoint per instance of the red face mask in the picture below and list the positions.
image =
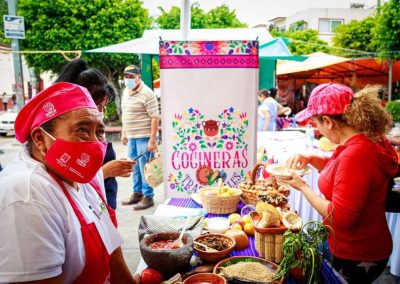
(75, 161)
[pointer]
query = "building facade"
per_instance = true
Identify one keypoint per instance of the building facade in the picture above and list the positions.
(324, 20)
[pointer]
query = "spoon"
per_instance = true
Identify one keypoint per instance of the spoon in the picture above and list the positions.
(178, 242)
(204, 246)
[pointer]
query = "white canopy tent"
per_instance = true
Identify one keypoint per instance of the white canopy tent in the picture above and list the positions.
(148, 43)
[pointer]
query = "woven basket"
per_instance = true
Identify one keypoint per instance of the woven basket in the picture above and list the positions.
(249, 196)
(269, 246)
(215, 204)
(268, 241)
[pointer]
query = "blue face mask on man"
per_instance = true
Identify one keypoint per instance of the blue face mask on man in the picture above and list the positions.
(130, 83)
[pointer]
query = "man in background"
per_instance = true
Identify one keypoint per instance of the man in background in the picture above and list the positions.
(140, 117)
(5, 100)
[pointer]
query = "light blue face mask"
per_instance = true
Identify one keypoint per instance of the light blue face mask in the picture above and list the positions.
(130, 83)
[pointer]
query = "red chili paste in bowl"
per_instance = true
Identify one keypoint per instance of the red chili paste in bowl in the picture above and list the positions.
(162, 245)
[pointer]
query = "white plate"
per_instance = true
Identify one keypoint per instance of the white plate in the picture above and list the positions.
(196, 198)
(280, 170)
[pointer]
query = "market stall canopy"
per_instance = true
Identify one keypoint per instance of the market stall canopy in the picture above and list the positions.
(320, 68)
(314, 61)
(277, 48)
(148, 43)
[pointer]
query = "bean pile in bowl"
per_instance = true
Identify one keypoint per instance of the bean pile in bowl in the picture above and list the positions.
(221, 243)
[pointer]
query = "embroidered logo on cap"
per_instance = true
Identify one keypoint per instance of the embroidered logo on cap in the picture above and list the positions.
(85, 158)
(49, 109)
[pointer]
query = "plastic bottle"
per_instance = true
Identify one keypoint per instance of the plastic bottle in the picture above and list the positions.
(294, 124)
(309, 137)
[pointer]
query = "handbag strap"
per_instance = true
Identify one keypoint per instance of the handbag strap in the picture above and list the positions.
(154, 155)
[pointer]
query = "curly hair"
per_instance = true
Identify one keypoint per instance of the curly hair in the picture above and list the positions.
(366, 114)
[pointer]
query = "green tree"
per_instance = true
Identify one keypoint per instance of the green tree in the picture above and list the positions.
(170, 19)
(3, 11)
(356, 35)
(219, 17)
(222, 17)
(386, 33)
(303, 42)
(81, 25)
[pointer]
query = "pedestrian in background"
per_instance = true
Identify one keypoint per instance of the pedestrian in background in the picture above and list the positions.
(267, 111)
(5, 100)
(140, 118)
(14, 99)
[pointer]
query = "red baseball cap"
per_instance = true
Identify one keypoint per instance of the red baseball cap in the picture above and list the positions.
(52, 102)
(329, 98)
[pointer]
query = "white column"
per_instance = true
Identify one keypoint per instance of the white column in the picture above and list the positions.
(185, 19)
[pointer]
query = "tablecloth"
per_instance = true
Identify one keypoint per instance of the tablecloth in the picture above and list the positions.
(394, 226)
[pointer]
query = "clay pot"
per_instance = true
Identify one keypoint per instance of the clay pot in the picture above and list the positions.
(210, 127)
(169, 262)
(298, 273)
(205, 278)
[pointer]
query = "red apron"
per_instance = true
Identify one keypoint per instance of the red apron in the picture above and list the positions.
(97, 259)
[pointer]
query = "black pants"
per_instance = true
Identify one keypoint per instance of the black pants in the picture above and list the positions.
(5, 106)
(354, 273)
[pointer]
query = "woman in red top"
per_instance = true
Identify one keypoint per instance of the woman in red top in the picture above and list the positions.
(354, 180)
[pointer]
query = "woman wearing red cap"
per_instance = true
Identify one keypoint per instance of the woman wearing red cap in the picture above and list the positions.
(354, 180)
(55, 224)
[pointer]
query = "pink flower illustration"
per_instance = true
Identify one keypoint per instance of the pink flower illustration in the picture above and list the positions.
(209, 47)
(192, 147)
(229, 145)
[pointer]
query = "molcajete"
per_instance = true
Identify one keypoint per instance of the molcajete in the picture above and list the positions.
(170, 261)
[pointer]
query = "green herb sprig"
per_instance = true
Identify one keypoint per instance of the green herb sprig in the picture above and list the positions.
(304, 250)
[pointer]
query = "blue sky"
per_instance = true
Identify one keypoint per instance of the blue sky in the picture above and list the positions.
(255, 12)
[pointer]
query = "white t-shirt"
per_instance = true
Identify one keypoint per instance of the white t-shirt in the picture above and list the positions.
(40, 235)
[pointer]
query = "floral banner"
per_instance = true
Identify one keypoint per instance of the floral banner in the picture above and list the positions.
(208, 116)
(205, 54)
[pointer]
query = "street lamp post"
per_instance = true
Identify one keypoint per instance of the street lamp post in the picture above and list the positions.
(19, 81)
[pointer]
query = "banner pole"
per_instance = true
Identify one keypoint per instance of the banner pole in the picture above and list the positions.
(185, 19)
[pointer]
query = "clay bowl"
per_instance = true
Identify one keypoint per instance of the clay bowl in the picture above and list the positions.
(214, 256)
(269, 266)
(171, 261)
(205, 278)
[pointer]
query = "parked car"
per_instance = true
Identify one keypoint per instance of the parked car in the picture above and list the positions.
(7, 121)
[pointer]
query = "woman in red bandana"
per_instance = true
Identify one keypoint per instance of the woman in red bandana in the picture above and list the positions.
(354, 180)
(55, 224)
